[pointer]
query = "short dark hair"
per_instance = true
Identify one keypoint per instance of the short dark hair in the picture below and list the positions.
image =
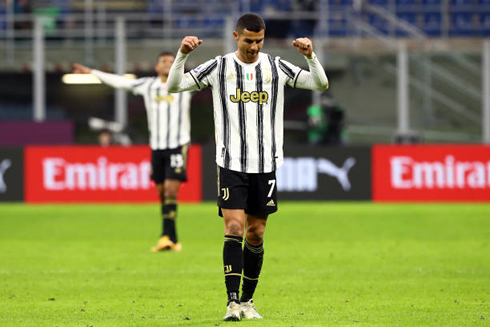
(105, 131)
(251, 22)
(165, 53)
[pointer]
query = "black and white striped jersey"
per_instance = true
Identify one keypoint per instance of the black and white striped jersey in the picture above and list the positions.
(168, 114)
(248, 101)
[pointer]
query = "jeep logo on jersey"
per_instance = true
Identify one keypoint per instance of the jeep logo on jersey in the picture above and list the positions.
(244, 96)
(168, 98)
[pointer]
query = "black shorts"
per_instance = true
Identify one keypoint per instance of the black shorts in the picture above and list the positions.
(169, 164)
(255, 193)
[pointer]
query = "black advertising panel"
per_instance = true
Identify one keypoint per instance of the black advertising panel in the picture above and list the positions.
(325, 173)
(11, 175)
(310, 173)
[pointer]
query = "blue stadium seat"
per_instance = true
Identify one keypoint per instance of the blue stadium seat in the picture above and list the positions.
(457, 3)
(3, 23)
(432, 23)
(187, 23)
(155, 6)
(378, 2)
(337, 25)
(463, 24)
(214, 22)
(282, 5)
(431, 2)
(406, 2)
(379, 23)
(413, 18)
(260, 5)
(485, 24)
(255, 6)
(340, 3)
(408, 17)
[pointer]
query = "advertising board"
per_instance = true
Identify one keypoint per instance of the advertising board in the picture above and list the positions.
(431, 173)
(96, 174)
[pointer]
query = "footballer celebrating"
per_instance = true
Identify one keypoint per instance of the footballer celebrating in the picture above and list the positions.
(248, 101)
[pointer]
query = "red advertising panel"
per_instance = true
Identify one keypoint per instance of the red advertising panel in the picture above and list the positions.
(95, 174)
(431, 173)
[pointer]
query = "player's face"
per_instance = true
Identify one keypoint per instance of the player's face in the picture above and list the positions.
(163, 65)
(249, 45)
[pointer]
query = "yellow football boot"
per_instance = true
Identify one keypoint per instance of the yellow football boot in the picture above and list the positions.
(165, 244)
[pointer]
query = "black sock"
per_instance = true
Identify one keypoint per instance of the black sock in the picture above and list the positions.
(233, 264)
(169, 213)
(253, 256)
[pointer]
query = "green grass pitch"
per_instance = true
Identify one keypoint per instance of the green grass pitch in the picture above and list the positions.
(326, 264)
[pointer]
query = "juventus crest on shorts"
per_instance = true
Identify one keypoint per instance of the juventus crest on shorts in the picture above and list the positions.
(248, 109)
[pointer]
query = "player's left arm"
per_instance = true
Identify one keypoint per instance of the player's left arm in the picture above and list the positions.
(314, 79)
(178, 81)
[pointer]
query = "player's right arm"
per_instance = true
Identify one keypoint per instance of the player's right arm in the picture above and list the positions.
(116, 81)
(178, 81)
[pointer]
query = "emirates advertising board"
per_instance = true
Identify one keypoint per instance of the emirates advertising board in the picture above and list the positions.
(96, 174)
(431, 173)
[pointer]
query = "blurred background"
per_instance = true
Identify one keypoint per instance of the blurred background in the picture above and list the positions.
(406, 119)
(401, 71)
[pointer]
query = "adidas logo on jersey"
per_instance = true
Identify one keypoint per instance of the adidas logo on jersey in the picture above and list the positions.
(271, 203)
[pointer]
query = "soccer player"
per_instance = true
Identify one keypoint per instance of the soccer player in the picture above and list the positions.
(169, 127)
(248, 98)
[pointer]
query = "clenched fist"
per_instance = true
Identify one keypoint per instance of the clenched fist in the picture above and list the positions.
(189, 43)
(304, 46)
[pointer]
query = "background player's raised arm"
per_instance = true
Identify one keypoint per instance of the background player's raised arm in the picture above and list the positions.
(81, 69)
(116, 81)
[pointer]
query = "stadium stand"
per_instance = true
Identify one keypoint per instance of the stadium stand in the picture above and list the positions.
(436, 18)
(357, 66)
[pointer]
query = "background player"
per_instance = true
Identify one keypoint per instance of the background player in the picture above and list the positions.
(169, 127)
(248, 99)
